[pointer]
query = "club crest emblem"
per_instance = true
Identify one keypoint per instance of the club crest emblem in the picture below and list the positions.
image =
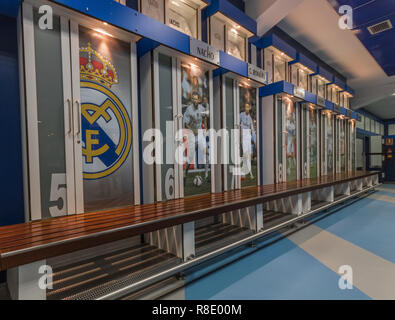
(106, 126)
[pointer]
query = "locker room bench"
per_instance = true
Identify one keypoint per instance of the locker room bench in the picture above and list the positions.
(32, 241)
(26, 243)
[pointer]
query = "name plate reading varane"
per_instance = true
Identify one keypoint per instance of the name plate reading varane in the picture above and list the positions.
(257, 74)
(204, 51)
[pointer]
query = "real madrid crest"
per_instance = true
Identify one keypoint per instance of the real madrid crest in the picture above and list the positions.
(106, 126)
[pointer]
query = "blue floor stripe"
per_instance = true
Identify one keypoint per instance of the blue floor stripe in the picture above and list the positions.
(280, 271)
(285, 271)
(368, 223)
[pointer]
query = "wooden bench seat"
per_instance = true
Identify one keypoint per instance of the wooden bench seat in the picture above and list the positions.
(29, 242)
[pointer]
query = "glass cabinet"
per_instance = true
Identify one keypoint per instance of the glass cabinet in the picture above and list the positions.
(300, 76)
(182, 15)
(318, 86)
(227, 35)
(276, 64)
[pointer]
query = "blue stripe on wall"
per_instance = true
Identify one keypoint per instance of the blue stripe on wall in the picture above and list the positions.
(11, 176)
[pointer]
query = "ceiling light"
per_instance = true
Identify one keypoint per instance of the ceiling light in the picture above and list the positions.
(103, 32)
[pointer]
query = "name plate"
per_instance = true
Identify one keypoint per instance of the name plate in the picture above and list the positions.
(320, 101)
(336, 108)
(257, 74)
(299, 92)
(202, 50)
(349, 114)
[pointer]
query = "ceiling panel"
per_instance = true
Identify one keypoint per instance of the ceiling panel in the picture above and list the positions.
(369, 12)
(384, 109)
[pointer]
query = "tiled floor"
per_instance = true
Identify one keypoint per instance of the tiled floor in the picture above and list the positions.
(306, 264)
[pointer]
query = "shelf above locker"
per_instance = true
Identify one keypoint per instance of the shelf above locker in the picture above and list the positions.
(224, 10)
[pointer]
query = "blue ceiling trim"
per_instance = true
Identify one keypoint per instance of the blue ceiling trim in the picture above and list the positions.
(253, 40)
(10, 8)
(332, 80)
(128, 19)
(340, 83)
(325, 73)
(381, 46)
(350, 90)
(369, 12)
(302, 59)
(239, 4)
(233, 64)
(335, 80)
(275, 41)
(366, 11)
(232, 12)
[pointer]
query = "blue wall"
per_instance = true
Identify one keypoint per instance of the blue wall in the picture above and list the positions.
(239, 4)
(11, 176)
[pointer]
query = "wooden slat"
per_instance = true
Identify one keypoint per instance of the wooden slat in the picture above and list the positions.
(57, 236)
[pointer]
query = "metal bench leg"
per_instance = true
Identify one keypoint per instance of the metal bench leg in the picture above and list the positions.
(23, 282)
(359, 184)
(306, 202)
(293, 204)
(259, 217)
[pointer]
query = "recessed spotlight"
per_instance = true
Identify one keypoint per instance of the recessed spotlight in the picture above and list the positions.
(101, 31)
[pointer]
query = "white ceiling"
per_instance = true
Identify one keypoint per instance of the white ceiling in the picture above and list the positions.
(314, 24)
(384, 109)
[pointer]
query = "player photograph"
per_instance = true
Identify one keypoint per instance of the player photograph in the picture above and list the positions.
(196, 120)
(248, 141)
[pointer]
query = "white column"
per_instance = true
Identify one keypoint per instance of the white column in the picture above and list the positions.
(188, 235)
(259, 217)
(23, 282)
